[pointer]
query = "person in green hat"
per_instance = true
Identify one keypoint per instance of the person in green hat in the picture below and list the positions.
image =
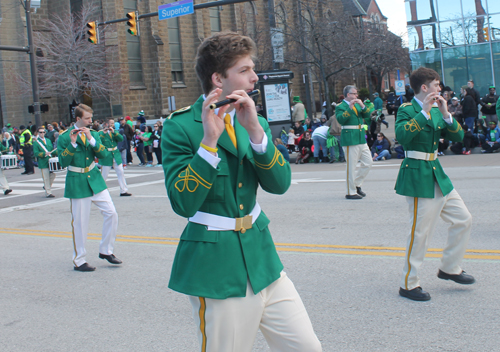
(299, 111)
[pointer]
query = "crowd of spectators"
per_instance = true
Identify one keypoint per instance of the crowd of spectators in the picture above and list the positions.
(138, 137)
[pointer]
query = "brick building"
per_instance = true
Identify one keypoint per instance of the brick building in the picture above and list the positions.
(155, 68)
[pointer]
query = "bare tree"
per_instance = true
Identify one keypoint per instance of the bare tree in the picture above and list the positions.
(330, 43)
(68, 65)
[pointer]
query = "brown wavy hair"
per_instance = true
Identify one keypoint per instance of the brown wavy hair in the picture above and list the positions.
(220, 52)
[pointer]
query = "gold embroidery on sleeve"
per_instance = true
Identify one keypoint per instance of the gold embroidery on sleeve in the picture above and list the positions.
(66, 152)
(101, 148)
(190, 175)
(412, 126)
(277, 158)
(457, 130)
(346, 114)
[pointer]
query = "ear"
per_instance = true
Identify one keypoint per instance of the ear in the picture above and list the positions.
(423, 88)
(216, 80)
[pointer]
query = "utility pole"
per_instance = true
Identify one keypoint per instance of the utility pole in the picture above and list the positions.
(34, 74)
(306, 75)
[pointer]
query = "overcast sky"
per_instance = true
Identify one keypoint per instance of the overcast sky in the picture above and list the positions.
(394, 10)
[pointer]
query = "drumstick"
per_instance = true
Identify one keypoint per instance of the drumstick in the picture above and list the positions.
(229, 101)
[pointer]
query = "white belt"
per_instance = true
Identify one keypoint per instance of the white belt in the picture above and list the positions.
(81, 170)
(413, 154)
(222, 223)
(111, 149)
(351, 127)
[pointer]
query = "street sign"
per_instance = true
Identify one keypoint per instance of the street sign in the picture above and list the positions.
(175, 9)
(400, 87)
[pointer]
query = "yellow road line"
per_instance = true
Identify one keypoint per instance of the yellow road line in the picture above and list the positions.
(488, 254)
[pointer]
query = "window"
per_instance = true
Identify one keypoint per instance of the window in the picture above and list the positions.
(250, 19)
(214, 19)
(133, 50)
(423, 37)
(174, 41)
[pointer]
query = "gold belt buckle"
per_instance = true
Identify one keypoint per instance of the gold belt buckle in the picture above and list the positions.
(85, 170)
(432, 157)
(243, 224)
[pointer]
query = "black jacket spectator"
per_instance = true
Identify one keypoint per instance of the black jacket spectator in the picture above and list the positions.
(469, 106)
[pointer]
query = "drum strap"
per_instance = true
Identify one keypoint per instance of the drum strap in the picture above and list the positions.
(43, 147)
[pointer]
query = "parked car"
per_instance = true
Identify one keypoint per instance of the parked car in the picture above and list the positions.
(391, 103)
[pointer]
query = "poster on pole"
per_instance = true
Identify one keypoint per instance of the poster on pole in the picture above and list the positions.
(277, 102)
(400, 87)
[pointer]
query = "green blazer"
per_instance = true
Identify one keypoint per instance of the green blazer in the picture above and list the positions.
(87, 184)
(43, 161)
(416, 178)
(111, 142)
(348, 117)
(217, 264)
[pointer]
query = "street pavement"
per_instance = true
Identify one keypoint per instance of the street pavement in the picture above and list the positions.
(345, 257)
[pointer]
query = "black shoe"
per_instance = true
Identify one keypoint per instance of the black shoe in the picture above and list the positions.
(84, 267)
(360, 192)
(7, 191)
(27, 173)
(461, 278)
(417, 294)
(110, 258)
(316, 160)
(354, 196)
(125, 194)
(332, 161)
(50, 196)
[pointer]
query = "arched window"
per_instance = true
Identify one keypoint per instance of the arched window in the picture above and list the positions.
(250, 12)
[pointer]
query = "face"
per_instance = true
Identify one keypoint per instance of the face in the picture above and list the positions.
(432, 87)
(241, 76)
(307, 136)
(41, 133)
(85, 120)
(492, 126)
(454, 102)
(156, 127)
(353, 94)
(493, 91)
(50, 127)
(297, 124)
(446, 95)
(470, 84)
(379, 136)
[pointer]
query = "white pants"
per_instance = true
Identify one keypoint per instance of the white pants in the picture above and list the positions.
(119, 174)
(48, 178)
(80, 212)
(3, 181)
(231, 324)
(424, 214)
(354, 177)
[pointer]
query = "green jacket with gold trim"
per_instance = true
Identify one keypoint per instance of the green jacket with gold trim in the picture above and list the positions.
(350, 117)
(111, 142)
(43, 161)
(416, 178)
(81, 185)
(217, 264)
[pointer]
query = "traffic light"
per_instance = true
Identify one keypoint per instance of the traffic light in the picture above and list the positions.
(92, 32)
(132, 23)
(486, 34)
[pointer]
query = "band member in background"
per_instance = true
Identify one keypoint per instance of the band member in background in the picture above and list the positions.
(429, 192)
(44, 150)
(77, 147)
(110, 138)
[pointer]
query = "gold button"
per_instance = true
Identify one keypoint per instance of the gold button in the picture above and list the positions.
(434, 142)
(406, 165)
(88, 158)
(88, 176)
(240, 185)
(241, 206)
(243, 230)
(434, 168)
(439, 127)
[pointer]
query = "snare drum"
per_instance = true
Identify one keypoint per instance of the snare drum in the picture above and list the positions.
(54, 165)
(9, 161)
